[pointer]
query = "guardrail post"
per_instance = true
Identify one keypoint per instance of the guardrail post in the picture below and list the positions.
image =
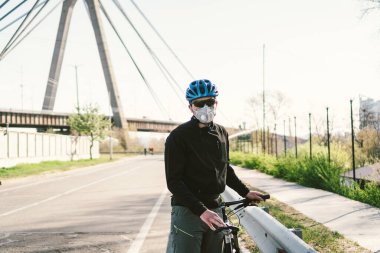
(297, 232)
(265, 209)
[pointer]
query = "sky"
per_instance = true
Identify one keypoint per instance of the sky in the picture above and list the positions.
(318, 54)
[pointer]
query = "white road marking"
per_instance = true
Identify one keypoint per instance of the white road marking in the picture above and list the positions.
(65, 193)
(140, 238)
(74, 173)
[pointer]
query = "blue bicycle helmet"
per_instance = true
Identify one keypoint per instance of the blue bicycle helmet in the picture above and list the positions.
(201, 88)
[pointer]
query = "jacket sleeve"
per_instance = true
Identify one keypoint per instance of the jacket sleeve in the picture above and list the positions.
(232, 180)
(175, 161)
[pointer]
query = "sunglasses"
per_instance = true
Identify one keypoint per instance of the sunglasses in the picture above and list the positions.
(208, 102)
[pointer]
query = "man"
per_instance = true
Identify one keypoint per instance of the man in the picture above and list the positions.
(197, 171)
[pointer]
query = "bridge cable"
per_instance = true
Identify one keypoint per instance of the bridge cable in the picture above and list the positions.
(153, 54)
(17, 19)
(27, 25)
(167, 75)
(170, 49)
(144, 42)
(4, 3)
(176, 92)
(22, 23)
(32, 29)
(9, 12)
(154, 95)
(165, 72)
(162, 39)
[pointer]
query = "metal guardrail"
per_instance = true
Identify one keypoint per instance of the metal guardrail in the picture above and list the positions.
(269, 235)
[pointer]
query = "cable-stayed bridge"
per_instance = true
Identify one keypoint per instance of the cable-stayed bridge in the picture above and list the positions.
(36, 14)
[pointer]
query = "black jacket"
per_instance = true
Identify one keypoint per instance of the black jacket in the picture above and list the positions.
(197, 166)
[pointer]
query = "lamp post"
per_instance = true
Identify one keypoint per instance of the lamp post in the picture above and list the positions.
(77, 84)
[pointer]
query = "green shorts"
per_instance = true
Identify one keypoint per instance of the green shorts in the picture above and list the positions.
(189, 234)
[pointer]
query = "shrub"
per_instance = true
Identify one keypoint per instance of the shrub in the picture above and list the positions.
(317, 173)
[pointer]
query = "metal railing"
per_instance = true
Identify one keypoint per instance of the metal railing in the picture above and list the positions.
(269, 235)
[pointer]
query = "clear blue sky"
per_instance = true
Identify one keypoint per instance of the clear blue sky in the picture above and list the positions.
(318, 53)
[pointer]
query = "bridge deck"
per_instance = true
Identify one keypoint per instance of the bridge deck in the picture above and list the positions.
(46, 119)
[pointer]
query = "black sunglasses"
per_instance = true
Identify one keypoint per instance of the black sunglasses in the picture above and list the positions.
(208, 102)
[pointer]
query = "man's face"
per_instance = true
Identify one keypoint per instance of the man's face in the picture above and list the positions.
(201, 102)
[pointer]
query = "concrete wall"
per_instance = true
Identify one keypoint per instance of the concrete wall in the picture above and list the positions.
(19, 147)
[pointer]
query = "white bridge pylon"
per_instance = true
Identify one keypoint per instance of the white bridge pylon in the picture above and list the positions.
(59, 51)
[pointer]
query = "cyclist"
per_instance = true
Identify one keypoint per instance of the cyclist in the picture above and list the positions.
(197, 171)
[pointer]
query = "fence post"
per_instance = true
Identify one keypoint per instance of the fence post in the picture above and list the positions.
(295, 135)
(352, 143)
(268, 140)
(311, 154)
(257, 141)
(275, 140)
(285, 137)
(328, 135)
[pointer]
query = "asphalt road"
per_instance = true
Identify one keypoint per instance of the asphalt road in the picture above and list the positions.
(117, 207)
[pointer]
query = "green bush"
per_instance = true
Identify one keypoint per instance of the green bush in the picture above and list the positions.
(287, 168)
(316, 172)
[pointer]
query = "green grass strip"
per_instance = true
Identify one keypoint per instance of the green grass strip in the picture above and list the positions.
(23, 170)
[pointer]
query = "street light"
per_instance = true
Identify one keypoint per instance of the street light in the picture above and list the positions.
(76, 83)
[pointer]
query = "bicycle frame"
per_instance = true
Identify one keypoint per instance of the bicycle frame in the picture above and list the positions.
(230, 240)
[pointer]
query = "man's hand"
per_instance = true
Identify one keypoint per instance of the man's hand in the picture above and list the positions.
(211, 218)
(254, 196)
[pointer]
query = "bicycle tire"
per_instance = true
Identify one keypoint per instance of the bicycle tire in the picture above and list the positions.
(235, 245)
(227, 248)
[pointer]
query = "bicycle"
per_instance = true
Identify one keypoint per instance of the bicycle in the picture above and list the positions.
(230, 240)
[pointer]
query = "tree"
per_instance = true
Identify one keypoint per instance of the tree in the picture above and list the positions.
(369, 138)
(276, 104)
(88, 121)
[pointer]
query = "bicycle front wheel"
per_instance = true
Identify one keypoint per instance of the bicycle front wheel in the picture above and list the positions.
(227, 247)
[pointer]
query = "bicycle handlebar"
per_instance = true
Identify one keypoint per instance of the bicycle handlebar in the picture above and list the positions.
(245, 202)
(232, 228)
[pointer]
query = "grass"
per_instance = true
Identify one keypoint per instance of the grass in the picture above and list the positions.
(321, 238)
(317, 173)
(23, 170)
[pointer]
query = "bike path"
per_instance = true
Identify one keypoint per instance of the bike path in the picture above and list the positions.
(355, 220)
